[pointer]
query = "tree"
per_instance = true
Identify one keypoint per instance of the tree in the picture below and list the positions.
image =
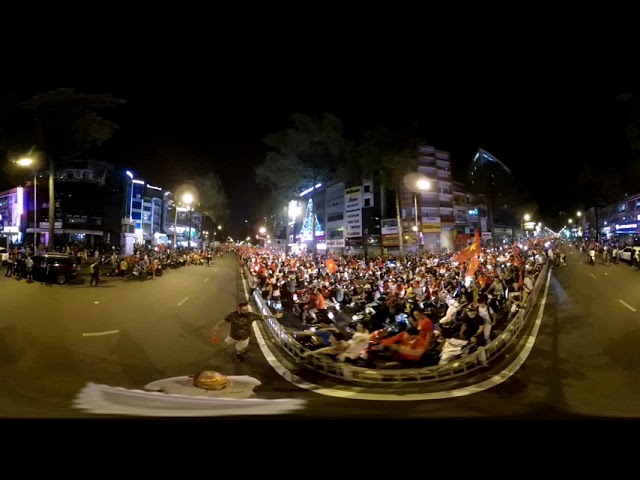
(62, 125)
(394, 155)
(211, 198)
(306, 154)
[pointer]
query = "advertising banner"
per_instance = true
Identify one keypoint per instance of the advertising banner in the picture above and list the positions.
(353, 212)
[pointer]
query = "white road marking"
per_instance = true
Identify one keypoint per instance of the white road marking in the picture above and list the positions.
(458, 392)
(206, 280)
(627, 305)
(183, 300)
(592, 275)
(96, 303)
(97, 334)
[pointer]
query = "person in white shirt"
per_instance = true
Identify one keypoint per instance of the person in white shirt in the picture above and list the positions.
(527, 287)
(356, 344)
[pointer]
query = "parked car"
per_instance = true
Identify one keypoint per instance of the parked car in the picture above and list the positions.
(628, 254)
(54, 268)
(4, 255)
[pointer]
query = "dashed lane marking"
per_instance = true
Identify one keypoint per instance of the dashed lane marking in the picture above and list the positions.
(97, 334)
(627, 305)
(592, 275)
(183, 300)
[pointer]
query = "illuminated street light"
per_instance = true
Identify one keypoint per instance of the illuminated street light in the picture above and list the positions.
(422, 184)
(579, 213)
(525, 218)
(187, 198)
(294, 210)
(25, 162)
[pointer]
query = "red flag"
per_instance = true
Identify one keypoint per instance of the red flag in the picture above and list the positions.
(472, 250)
(473, 266)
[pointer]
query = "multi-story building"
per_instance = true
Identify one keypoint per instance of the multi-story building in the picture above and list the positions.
(345, 218)
(470, 215)
(182, 223)
(435, 205)
(12, 206)
(97, 205)
(619, 222)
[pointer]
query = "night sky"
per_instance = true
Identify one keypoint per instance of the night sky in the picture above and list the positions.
(542, 121)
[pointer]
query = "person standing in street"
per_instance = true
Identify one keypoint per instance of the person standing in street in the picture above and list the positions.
(29, 268)
(240, 322)
(95, 273)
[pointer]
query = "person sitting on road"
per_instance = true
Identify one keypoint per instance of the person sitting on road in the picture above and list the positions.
(409, 346)
(337, 345)
(356, 344)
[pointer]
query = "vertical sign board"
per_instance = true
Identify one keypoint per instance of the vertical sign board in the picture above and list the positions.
(353, 212)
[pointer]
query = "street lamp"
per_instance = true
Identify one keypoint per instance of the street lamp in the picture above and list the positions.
(422, 184)
(525, 218)
(294, 211)
(27, 162)
(214, 234)
(187, 198)
(263, 231)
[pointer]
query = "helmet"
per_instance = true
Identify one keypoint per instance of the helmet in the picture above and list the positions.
(211, 380)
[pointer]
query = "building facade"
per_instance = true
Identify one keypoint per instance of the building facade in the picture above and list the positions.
(97, 205)
(618, 222)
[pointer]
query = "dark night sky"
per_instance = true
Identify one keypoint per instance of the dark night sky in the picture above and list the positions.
(541, 120)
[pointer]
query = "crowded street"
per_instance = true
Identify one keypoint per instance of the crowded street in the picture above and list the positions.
(127, 335)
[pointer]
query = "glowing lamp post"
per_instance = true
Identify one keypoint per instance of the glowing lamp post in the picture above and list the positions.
(422, 185)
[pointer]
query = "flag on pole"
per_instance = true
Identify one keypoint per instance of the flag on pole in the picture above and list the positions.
(472, 250)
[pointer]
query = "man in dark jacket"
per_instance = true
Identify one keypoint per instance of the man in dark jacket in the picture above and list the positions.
(240, 328)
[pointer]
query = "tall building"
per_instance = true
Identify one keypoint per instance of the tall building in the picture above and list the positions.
(481, 158)
(435, 205)
(12, 206)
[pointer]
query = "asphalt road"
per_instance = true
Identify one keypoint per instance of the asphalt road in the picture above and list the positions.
(581, 359)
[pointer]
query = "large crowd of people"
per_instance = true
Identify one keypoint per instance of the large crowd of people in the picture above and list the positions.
(414, 311)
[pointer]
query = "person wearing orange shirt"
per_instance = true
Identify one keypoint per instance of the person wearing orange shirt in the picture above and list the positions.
(316, 304)
(409, 346)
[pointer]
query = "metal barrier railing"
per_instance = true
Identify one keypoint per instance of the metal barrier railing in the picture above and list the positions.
(446, 372)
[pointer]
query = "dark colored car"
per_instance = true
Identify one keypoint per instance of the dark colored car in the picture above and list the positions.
(54, 268)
